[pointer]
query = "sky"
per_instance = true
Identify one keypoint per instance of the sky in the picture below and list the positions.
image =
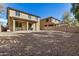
(43, 10)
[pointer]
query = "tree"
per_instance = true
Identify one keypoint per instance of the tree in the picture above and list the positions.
(2, 10)
(2, 13)
(75, 10)
(68, 18)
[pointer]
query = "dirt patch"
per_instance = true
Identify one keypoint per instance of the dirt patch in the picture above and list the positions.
(40, 43)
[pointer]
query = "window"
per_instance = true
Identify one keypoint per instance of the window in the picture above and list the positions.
(45, 25)
(50, 25)
(18, 24)
(17, 13)
(29, 16)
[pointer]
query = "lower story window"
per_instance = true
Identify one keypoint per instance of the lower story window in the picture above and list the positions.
(18, 24)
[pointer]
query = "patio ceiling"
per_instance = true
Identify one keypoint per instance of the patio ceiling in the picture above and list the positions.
(22, 19)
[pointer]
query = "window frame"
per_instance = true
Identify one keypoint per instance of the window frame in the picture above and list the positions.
(17, 13)
(29, 16)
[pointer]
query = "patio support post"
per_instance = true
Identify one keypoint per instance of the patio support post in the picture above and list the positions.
(13, 25)
(27, 25)
(34, 26)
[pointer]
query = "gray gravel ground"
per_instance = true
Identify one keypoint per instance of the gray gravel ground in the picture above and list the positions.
(40, 44)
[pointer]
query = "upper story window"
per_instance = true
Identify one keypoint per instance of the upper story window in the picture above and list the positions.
(29, 16)
(17, 13)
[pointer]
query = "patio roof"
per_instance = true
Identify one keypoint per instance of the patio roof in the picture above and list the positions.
(22, 19)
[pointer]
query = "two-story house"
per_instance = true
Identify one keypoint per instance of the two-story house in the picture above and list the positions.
(22, 21)
(49, 22)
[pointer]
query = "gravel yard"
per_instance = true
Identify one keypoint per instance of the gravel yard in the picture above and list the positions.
(40, 43)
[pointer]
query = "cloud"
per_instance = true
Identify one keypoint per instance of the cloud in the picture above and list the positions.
(3, 21)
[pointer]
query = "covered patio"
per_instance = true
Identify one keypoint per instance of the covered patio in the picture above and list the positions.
(19, 24)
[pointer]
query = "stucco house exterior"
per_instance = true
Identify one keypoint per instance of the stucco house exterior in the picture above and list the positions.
(22, 21)
(48, 23)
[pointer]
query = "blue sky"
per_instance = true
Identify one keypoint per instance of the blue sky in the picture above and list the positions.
(42, 9)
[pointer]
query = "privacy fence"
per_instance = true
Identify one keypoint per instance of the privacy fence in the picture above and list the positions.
(67, 28)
